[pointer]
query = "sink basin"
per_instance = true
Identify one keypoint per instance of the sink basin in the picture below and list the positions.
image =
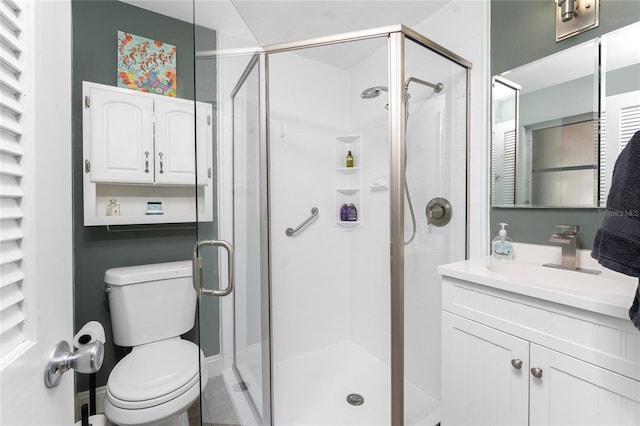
(560, 279)
(609, 293)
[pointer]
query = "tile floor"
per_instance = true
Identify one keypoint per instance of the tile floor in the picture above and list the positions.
(217, 408)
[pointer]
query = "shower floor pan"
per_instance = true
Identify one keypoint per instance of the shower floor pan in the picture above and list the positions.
(312, 389)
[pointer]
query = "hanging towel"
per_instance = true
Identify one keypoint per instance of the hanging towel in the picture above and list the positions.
(617, 242)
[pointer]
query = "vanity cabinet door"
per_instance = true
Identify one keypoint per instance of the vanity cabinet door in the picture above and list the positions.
(485, 375)
(573, 392)
(118, 127)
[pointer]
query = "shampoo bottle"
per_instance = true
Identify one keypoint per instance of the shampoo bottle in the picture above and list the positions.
(352, 213)
(501, 245)
(349, 159)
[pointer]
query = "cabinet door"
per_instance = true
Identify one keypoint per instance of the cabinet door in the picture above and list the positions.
(480, 384)
(175, 141)
(118, 134)
(573, 392)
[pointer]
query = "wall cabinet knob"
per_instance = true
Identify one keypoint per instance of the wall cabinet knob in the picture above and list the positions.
(536, 372)
(516, 363)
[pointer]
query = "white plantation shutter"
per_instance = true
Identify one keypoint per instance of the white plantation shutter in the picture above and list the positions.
(12, 317)
(629, 123)
(509, 196)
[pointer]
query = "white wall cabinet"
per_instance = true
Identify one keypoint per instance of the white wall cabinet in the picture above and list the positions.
(141, 147)
(587, 363)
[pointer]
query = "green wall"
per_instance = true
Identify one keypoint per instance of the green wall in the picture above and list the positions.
(523, 31)
(95, 28)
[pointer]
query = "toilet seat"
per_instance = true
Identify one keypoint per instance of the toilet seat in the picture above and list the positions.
(154, 374)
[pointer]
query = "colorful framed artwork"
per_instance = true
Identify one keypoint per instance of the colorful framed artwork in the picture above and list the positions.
(146, 65)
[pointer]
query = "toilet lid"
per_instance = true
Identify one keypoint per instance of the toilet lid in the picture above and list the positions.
(155, 370)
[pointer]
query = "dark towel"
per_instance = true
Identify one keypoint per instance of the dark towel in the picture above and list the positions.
(617, 242)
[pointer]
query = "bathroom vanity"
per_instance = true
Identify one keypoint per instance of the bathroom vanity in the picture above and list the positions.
(524, 344)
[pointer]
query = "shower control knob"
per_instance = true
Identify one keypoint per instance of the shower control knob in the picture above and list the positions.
(437, 212)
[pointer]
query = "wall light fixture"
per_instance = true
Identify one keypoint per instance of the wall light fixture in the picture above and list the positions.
(576, 16)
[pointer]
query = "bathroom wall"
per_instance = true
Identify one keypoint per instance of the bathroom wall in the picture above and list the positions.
(522, 32)
(95, 26)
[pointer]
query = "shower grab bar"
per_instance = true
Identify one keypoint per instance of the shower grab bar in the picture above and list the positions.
(291, 232)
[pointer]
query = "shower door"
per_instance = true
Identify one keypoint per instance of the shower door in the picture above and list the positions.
(242, 217)
(251, 350)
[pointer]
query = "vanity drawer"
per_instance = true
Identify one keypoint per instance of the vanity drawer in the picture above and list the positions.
(605, 341)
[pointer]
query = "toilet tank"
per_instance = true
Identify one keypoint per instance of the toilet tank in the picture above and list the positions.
(149, 303)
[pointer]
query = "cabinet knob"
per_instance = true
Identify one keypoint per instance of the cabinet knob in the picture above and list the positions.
(536, 372)
(146, 161)
(161, 164)
(516, 363)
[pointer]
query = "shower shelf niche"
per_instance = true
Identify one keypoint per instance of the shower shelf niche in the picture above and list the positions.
(348, 180)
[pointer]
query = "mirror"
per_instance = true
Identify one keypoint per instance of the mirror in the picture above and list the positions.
(545, 132)
(620, 97)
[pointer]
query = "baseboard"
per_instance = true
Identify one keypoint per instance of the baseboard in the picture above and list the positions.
(214, 369)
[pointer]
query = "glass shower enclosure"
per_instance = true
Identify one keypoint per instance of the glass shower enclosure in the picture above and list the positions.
(334, 318)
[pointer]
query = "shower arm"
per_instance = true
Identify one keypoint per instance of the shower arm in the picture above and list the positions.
(436, 87)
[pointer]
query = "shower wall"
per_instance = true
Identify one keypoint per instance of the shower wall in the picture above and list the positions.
(310, 271)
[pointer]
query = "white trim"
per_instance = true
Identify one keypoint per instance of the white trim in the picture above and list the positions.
(214, 368)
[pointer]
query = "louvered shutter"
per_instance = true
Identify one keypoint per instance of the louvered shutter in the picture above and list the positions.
(629, 123)
(509, 196)
(12, 318)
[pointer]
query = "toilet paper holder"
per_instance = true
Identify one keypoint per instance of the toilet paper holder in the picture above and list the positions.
(87, 359)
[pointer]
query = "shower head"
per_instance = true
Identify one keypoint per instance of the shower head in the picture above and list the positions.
(373, 92)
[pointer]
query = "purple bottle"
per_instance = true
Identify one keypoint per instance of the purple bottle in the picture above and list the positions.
(352, 213)
(344, 212)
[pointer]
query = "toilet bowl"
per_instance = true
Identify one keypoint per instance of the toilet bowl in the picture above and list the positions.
(156, 383)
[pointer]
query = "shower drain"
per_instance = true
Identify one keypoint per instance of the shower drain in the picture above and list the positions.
(355, 399)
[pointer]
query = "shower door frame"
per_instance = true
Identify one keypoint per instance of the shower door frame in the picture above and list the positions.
(396, 35)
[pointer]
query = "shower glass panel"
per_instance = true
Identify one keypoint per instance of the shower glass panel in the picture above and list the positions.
(250, 331)
(330, 280)
(435, 149)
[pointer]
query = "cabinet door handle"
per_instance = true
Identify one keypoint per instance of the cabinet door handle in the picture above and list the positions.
(146, 161)
(536, 372)
(161, 166)
(516, 363)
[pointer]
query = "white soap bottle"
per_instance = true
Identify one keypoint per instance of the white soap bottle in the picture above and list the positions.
(501, 245)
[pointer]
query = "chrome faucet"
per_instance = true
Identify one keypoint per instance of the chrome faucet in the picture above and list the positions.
(568, 237)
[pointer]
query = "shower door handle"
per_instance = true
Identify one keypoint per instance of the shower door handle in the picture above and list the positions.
(197, 268)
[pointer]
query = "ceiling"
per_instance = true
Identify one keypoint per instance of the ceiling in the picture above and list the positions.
(265, 22)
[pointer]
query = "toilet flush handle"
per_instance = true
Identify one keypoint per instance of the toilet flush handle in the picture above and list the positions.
(197, 267)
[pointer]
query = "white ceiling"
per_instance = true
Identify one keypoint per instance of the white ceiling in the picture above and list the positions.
(265, 22)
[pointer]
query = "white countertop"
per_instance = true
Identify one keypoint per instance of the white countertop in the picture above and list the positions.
(608, 293)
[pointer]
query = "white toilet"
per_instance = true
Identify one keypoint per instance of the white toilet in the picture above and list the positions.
(151, 306)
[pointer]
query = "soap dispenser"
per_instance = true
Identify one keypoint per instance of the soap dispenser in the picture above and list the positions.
(502, 246)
